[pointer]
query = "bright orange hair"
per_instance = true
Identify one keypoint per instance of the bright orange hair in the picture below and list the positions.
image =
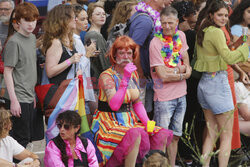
(123, 42)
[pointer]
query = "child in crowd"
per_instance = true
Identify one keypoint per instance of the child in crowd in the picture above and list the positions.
(19, 65)
(10, 148)
(155, 158)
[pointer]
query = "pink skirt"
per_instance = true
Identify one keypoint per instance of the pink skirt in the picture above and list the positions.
(148, 142)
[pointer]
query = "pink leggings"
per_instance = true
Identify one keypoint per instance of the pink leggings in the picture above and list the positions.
(157, 141)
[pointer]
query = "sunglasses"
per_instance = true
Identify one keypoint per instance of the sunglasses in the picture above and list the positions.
(65, 126)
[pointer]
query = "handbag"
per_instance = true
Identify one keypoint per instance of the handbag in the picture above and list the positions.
(48, 96)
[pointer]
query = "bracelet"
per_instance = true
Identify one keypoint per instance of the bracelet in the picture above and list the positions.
(68, 62)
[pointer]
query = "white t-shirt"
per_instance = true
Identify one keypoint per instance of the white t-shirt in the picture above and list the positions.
(242, 95)
(9, 147)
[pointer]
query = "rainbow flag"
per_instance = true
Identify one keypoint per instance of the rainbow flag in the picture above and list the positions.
(72, 99)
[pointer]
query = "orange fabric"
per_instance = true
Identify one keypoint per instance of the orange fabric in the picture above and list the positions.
(236, 130)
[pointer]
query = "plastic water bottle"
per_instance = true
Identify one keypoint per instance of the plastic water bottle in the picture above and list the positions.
(244, 33)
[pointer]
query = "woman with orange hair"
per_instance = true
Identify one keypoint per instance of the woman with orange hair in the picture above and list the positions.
(120, 137)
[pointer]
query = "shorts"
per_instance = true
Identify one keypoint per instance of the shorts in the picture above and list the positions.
(170, 114)
(214, 92)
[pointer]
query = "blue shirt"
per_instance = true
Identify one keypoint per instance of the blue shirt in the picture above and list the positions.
(140, 31)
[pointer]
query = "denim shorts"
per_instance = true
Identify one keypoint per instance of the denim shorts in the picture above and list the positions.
(170, 114)
(214, 92)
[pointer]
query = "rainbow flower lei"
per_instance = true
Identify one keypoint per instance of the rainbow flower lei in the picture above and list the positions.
(170, 52)
(143, 7)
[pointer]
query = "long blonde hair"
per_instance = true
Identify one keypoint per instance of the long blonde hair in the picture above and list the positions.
(56, 26)
(121, 13)
(5, 122)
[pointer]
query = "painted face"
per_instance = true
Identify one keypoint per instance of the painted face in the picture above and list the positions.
(123, 56)
(82, 21)
(169, 24)
(220, 17)
(98, 16)
(246, 16)
(5, 11)
(67, 131)
(26, 27)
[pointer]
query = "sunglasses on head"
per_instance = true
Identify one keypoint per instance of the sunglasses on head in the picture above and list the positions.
(65, 126)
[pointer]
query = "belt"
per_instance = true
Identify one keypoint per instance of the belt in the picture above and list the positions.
(104, 106)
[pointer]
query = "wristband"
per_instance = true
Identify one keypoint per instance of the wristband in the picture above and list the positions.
(68, 62)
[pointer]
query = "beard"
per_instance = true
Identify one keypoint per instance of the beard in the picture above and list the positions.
(4, 19)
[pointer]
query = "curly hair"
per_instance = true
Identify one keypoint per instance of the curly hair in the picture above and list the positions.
(123, 42)
(121, 13)
(55, 26)
(156, 160)
(237, 15)
(184, 9)
(72, 118)
(214, 7)
(5, 122)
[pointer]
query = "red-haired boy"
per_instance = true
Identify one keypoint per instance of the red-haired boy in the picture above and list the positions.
(20, 72)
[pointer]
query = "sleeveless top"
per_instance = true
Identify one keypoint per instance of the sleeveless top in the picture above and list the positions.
(57, 80)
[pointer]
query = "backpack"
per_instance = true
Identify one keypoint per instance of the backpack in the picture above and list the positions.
(122, 29)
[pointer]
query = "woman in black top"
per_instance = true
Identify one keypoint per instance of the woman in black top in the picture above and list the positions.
(58, 43)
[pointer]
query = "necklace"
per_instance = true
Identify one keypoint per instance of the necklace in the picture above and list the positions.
(170, 52)
(143, 7)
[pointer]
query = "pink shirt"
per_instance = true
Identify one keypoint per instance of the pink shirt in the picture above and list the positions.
(52, 156)
(171, 90)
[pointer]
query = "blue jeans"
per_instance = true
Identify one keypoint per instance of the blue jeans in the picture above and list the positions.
(170, 114)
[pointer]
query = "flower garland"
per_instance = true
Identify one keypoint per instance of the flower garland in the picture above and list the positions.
(143, 7)
(170, 52)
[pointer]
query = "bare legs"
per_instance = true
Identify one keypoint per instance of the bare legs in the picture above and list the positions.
(172, 150)
(132, 155)
(221, 125)
(244, 127)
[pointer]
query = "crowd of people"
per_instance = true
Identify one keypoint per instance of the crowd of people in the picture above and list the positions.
(151, 70)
